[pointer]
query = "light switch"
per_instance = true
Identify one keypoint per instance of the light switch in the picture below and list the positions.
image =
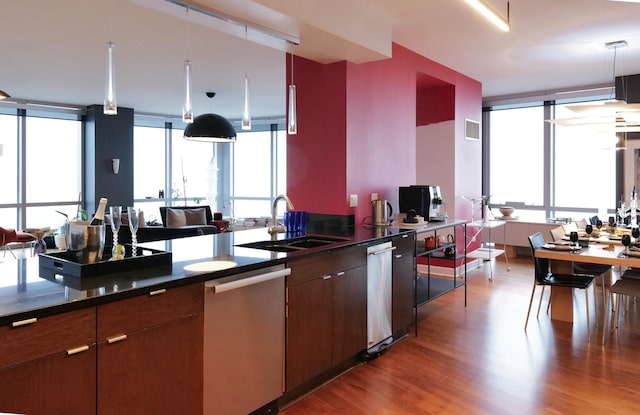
(353, 200)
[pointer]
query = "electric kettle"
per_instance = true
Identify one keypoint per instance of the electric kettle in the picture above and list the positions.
(382, 212)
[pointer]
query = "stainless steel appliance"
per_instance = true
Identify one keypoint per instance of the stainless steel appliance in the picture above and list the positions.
(382, 212)
(426, 200)
(244, 341)
(379, 297)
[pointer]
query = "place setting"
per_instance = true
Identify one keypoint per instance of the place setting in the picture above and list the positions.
(574, 244)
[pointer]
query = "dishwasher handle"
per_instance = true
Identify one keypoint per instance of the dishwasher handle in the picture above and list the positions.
(382, 251)
(244, 282)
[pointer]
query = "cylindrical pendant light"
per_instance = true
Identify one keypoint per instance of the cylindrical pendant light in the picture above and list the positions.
(187, 109)
(292, 123)
(246, 115)
(110, 107)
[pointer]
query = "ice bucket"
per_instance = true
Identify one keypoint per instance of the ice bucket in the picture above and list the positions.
(85, 241)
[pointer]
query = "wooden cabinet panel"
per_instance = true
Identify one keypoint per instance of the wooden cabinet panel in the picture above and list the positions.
(58, 384)
(148, 310)
(309, 342)
(153, 371)
(325, 263)
(403, 284)
(27, 340)
(349, 314)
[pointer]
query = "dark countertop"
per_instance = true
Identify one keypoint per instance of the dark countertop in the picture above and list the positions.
(25, 293)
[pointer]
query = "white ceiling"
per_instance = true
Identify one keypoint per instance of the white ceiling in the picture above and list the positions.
(53, 51)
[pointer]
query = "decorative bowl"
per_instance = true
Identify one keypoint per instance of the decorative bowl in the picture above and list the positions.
(507, 210)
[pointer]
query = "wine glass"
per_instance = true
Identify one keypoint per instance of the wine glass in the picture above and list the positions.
(588, 229)
(598, 225)
(573, 237)
(133, 226)
(626, 241)
(115, 219)
(635, 232)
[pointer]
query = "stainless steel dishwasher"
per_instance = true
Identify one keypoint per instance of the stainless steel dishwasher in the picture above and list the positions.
(378, 298)
(244, 341)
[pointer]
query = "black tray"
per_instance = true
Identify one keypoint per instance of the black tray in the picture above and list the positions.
(68, 264)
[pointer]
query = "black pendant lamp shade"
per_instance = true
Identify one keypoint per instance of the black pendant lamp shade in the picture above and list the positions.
(212, 128)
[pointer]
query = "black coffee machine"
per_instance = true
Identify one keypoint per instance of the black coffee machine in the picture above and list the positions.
(425, 200)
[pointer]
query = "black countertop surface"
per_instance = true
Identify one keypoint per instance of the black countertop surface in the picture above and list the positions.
(25, 293)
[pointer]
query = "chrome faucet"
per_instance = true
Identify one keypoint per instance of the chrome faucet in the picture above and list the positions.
(275, 227)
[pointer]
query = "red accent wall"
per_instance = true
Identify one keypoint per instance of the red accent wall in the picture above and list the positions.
(357, 128)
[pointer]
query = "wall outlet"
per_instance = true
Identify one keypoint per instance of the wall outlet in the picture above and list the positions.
(374, 196)
(353, 200)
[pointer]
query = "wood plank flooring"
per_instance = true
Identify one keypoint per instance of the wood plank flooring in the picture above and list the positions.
(479, 359)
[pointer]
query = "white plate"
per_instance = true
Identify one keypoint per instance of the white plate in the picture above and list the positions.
(561, 247)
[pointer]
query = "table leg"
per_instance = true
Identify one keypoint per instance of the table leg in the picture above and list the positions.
(562, 304)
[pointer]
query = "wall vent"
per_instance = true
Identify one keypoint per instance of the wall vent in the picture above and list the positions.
(471, 130)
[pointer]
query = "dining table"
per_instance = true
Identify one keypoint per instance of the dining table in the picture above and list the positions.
(607, 252)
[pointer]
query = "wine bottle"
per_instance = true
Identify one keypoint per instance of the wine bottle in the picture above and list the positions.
(98, 218)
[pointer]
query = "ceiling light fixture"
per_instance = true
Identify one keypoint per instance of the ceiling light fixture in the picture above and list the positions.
(110, 107)
(211, 128)
(246, 115)
(491, 15)
(4, 95)
(292, 122)
(187, 108)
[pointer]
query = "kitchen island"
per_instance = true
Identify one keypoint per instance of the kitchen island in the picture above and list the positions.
(57, 332)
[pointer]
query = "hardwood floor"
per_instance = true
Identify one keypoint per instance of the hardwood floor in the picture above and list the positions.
(479, 359)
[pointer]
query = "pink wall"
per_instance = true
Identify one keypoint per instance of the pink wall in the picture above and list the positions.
(357, 129)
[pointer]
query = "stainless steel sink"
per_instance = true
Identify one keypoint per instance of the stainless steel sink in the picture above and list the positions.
(294, 244)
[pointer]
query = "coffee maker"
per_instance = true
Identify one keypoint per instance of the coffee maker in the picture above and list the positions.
(425, 200)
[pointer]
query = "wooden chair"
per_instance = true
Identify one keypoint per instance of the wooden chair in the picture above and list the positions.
(544, 278)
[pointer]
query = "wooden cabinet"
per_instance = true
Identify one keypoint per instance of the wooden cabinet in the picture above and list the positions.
(150, 353)
(403, 283)
(326, 312)
(47, 366)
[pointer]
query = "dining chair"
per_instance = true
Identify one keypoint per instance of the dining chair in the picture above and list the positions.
(557, 233)
(581, 223)
(570, 227)
(544, 278)
(628, 285)
(8, 236)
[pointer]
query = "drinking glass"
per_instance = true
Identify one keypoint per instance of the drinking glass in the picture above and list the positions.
(599, 224)
(635, 232)
(588, 229)
(626, 241)
(573, 237)
(115, 219)
(133, 226)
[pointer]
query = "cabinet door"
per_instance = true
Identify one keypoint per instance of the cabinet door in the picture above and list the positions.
(47, 365)
(403, 285)
(157, 370)
(150, 353)
(309, 330)
(60, 384)
(349, 313)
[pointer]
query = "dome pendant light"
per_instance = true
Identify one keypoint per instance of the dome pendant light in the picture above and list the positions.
(4, 95)
(212, 128)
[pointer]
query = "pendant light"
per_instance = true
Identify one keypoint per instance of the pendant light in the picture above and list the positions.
(292, 123)
(246, 115)
(110, 106)
(212, 128)
(187, 109)
(4, 95)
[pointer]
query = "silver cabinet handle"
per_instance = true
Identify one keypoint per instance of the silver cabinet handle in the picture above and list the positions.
(157, 292)
(398, 256)
(340, 274)
(326, 277)
(117, 338)
(77, 350)
(382, 251)
(24, 322)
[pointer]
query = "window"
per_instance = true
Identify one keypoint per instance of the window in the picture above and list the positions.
(547, 170)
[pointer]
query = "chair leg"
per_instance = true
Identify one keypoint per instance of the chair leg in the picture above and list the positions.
(540, 302)
(533, 290)
(586, 297)
(8, 248)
